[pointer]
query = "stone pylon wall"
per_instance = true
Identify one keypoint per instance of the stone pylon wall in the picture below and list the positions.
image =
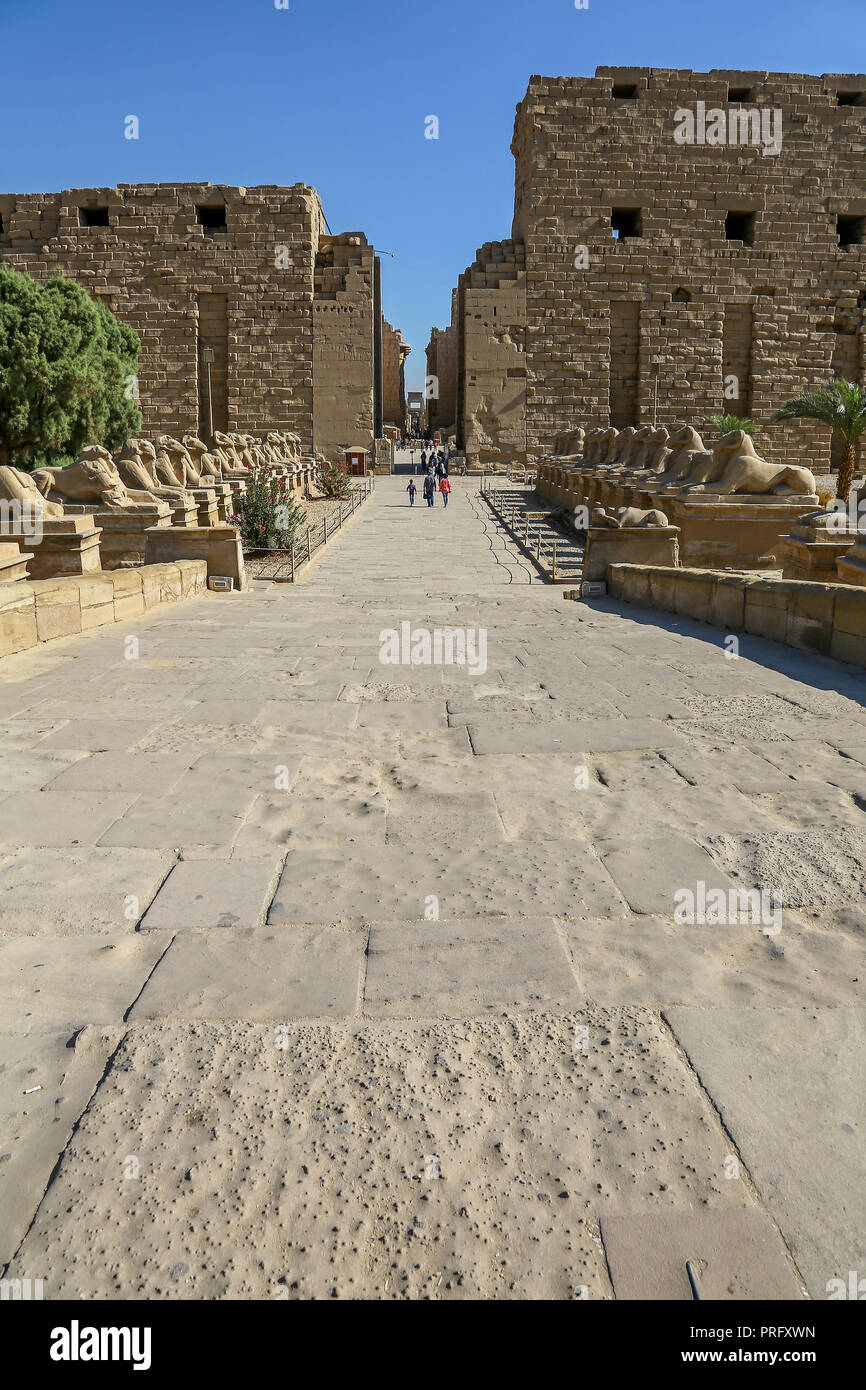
(394, 354)
(491, 354)
(155, 266)
(286, 308)
(344, 314)
(442, 365)
(676, 298)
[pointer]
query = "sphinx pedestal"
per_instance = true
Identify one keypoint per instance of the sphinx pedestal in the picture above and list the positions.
(13, 562)
(632, 545)
(851, 568)
(721, 532)
(122, 542)
(70, 545)
(218, 546)
(812, 548)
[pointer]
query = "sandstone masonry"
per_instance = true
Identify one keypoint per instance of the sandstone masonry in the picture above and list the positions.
(243, 300)
(648, 260)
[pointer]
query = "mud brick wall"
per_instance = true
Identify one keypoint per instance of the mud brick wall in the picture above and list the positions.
(785, 312)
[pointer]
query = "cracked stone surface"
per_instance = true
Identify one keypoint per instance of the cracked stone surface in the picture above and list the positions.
(344, 979)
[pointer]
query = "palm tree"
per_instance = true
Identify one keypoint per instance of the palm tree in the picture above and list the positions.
(841, 405)
(725, 423)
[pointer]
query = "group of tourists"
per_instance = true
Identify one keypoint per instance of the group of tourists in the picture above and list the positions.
(435, 469)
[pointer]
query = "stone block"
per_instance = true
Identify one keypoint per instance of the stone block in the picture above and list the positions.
(810, 618)
(58, 608)
(663, 589)
(640, 545)
(849, 614)
(693, 594)
(847, 646)
(18, 629)
(161, 584)
(728, 604)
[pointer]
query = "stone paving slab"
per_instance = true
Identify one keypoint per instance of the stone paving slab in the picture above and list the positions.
(35, 1129)
(202, 893)
(734, 1256)
(649, 869)
(99, 735)
(789, 1087)
(76, 891)
(656, 961)
(465, 969)
(140, 774)
(574, 737)
(25, 770)
(458, 1160)
(304, 972)
(55, 818)
(65, 982)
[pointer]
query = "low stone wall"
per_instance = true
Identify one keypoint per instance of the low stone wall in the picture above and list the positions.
(829, 619)
(33, 611)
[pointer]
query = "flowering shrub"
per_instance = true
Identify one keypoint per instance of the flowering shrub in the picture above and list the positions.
(334, 480)
(266, 513)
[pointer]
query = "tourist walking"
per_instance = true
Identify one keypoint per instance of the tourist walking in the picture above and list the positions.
(423, 458)
(411, 489)
(445, 488)
(429, 489)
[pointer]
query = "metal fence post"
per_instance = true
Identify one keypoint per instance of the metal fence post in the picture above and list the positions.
(309, 547)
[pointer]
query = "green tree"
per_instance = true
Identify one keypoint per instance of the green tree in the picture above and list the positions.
(67, 372)
(841, 405)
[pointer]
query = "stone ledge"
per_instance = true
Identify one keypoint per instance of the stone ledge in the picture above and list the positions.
(828, 619)
(33, 611)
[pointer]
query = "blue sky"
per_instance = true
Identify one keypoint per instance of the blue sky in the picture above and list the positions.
(335, 93)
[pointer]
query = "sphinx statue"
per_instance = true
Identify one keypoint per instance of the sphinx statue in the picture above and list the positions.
(627, 516)
(93, 480)
(735, 467)
(655, 452)
(590, 444)
(211, 466)
(630, 455)
(136, 464)
(685, 444)
(19, 487)
(619, 444)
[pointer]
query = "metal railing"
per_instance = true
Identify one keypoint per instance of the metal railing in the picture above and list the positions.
(281, 566)
(557, 558)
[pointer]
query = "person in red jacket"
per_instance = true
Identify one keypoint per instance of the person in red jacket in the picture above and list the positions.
(445, 488)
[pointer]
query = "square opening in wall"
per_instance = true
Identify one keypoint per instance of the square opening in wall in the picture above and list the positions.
(849, 98)
(740, 226)
(93, 217)
(211, 216)
(624, 91)
(625, 222)
(739, 94)
(850, 231)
